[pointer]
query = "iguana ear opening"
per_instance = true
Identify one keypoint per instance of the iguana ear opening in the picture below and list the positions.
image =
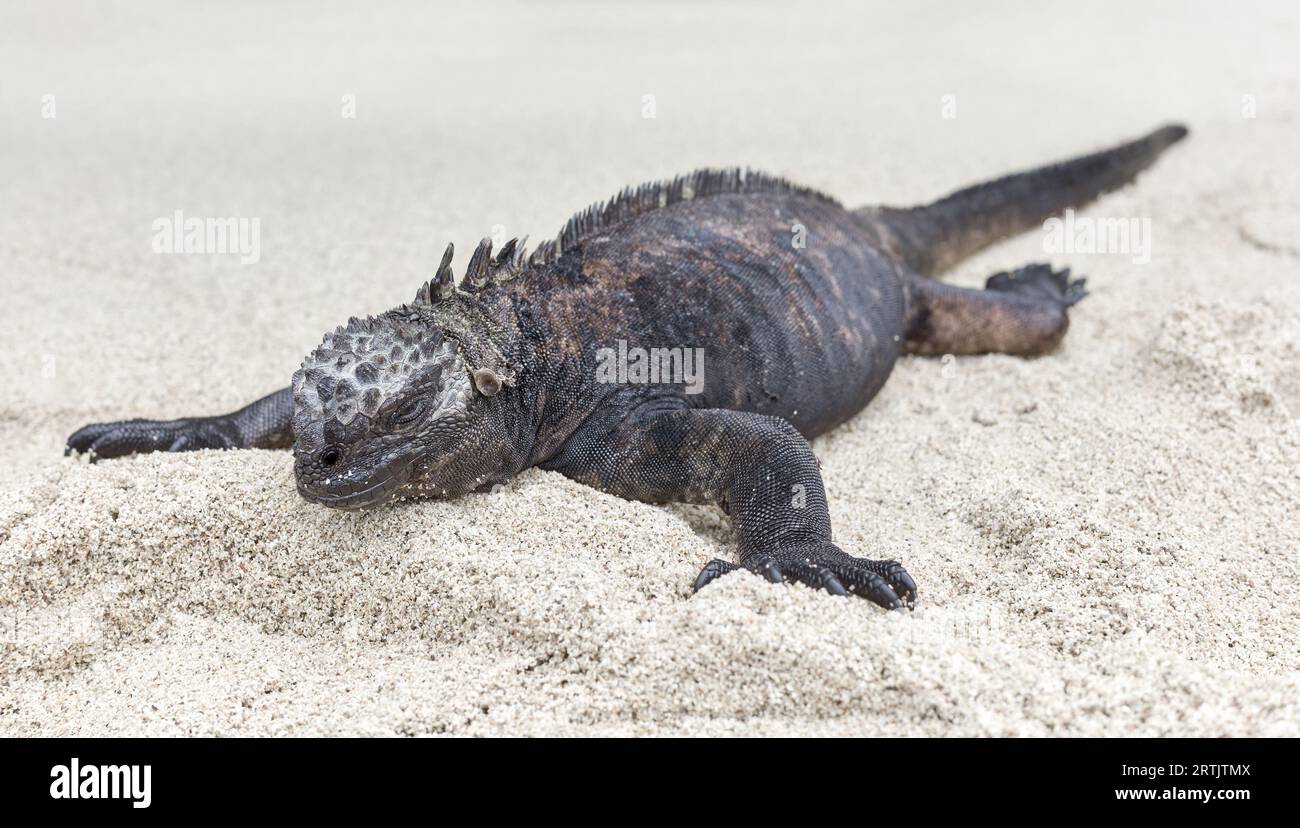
(487, 382)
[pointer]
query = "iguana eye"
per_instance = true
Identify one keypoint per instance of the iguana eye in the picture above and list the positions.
(409, 413)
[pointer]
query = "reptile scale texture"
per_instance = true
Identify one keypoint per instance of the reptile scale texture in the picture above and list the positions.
(468, 385)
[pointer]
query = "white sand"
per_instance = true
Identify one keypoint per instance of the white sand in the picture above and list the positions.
(1105, 539)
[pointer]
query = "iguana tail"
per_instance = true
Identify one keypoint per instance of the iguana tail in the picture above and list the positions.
(933, 237)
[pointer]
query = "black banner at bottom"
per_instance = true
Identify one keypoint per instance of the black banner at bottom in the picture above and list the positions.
(303, 777)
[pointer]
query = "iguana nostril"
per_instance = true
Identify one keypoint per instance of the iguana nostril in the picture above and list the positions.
(329, 457)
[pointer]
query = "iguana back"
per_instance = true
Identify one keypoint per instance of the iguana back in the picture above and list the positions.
(795, 313)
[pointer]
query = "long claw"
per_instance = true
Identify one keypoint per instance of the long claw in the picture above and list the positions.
(903, 585)
(899, 580)
(713, 570)
(767, 567)
(816, 576)
(81, 440)
(883, 594)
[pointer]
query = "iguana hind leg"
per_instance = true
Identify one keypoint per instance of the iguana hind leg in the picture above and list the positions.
(1020, 312)
(758, 468)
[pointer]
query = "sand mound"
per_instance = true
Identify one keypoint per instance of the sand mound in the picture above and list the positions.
(1231, 359)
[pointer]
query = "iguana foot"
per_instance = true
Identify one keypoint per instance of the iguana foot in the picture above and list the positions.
(105, 440)
(1022, 312)
(1039, 281)
(826, 566)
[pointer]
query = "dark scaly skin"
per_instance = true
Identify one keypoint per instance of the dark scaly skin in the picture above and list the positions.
(932, 238)
(260, 424)
(796, 341)
(463, 388)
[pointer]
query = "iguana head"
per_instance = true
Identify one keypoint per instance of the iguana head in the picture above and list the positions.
(405, 404)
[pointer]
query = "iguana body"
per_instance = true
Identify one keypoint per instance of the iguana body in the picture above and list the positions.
(467, 386)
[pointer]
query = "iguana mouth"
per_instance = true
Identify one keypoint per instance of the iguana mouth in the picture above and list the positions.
(370, 495)
(356, 500)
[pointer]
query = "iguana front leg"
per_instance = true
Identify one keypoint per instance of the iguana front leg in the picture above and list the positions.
(759, 469)
(266, 423)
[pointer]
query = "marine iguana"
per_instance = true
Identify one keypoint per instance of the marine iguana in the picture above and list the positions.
(466, 386)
